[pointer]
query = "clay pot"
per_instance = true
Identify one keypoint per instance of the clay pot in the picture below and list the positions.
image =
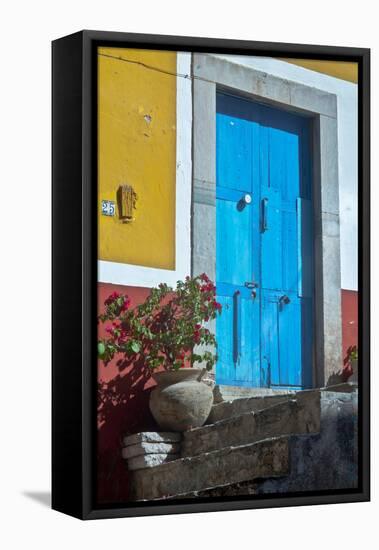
(180, 401)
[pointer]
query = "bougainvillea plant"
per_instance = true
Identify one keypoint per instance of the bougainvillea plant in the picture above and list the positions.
(167, 329)
(351, 355)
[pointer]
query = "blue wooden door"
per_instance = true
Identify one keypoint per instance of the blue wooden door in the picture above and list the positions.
(264, 246)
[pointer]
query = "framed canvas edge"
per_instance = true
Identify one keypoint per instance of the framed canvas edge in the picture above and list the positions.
(87, 279)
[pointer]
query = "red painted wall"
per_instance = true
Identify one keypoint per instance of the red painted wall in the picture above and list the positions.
(349, 319)
(123, 409)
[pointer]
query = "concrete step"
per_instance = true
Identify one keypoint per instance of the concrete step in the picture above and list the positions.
(230, 465)
(300, 415)
(227, 409)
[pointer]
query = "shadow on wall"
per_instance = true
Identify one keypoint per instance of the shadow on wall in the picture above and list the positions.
(123, 408)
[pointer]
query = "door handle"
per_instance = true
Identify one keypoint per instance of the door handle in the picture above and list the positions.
(251, 284)
(244, 201)
(264, 224)
(284, 300)
(236, 326)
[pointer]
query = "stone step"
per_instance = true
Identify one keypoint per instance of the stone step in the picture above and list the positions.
(231, 465)
(227, 409)
(293, 416)
(230, 393)
(237, 401)
(142, 462)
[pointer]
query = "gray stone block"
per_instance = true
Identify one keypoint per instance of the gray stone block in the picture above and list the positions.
(150, 448)
(227, 409)
(268, 458)
(149, 461)
(313, 100)
(292, 416)
(328, 150)
(152, 437)
(204, 128)
(204, 240)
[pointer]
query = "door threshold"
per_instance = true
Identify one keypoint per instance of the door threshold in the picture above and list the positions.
(223, 392)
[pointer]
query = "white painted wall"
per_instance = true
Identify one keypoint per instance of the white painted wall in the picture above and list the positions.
(134, 275)
(347, 105)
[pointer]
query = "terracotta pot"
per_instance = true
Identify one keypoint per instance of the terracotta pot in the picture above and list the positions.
(180, 401)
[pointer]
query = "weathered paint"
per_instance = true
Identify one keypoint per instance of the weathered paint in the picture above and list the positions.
(137, 146)
(349, 319)
(345, 70)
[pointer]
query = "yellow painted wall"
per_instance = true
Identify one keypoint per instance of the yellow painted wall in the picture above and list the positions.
(339, 69)
(137, 146)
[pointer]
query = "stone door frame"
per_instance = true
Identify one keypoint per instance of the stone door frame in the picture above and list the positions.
(211, 74)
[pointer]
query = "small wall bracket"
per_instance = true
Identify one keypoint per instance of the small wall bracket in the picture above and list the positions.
(126, 202)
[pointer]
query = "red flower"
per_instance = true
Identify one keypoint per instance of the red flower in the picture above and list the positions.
(204, 277)
(196, 336)
(126, 304)
(217, 305)
(112, 298)
(347, 372)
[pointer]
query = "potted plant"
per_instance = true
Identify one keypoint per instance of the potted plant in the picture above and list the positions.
(168, 331)
(350, 362)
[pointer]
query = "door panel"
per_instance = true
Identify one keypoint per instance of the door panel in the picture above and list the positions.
(234, 242)
(234, 166)
(264, 333)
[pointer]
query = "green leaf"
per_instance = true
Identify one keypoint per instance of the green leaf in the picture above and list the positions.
(135, 346)
(100, 349)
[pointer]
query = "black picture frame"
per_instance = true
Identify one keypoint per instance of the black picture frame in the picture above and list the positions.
(74, 271)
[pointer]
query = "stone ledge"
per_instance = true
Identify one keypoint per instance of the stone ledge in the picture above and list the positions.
(267, 458)
(143, 448)
(235, 407)
(230, 393)
(152, 437)
(150, 461)
(294, 416)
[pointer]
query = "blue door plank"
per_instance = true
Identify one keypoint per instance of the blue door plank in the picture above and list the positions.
(290, 343)
(225, 370)
(304, 213)
(234, 162)
(269, 341)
